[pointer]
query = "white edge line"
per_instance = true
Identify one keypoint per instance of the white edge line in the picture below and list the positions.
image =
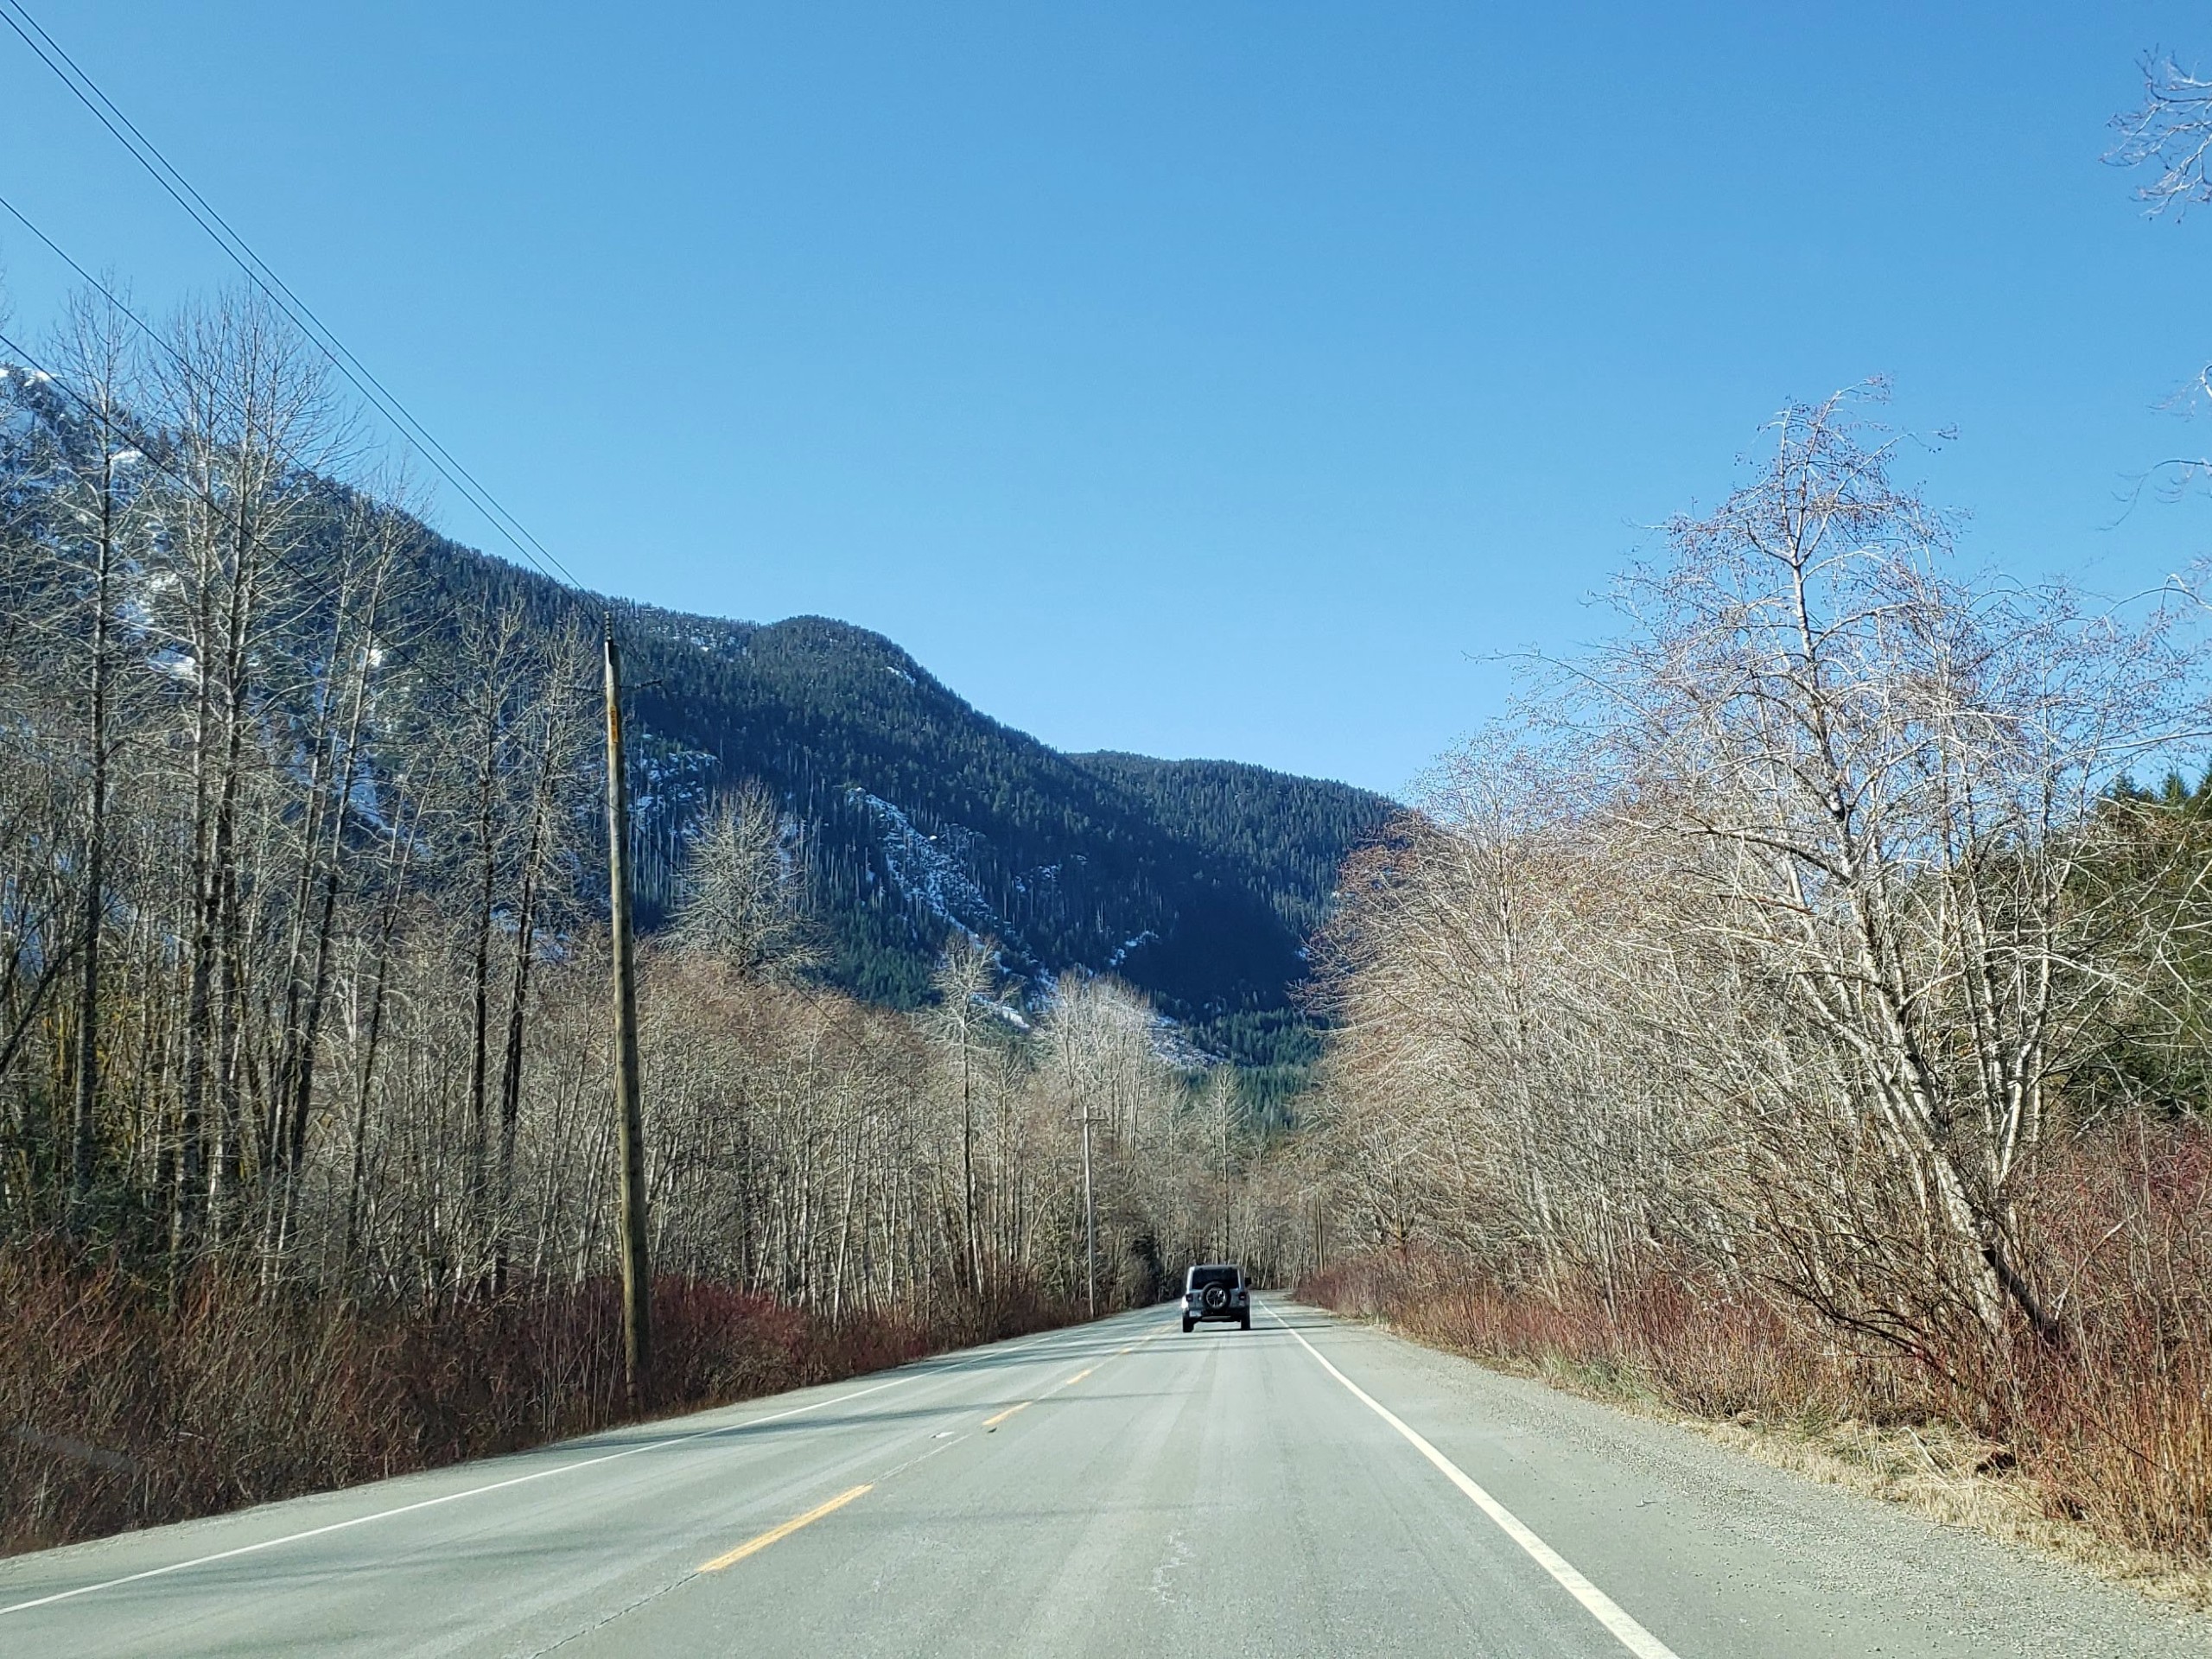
(448, 1497)
(1601, 1606)
(925, 1370)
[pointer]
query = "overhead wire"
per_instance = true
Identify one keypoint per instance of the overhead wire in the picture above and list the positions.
(154, 336)
(145, 445)
(122, 307)
(203, 213)
(150, 451)
(187, 196)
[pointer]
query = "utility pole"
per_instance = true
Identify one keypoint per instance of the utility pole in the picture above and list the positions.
(1226, 1191)
(85, 1129)
(637, 1279)
(1090, 1223)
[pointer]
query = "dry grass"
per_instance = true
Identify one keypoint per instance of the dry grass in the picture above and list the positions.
(1957, 1478)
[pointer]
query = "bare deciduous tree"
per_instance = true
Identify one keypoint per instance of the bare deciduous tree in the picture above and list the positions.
(1771, 937)
(740, 886)
(2171, 130)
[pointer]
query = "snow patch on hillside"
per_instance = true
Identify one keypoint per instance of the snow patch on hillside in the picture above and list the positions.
(668, 777)
(1172, 1045)
(1122, 950)
(928, 868)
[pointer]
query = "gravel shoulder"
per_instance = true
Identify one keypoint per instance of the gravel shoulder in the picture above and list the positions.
(1750, 1556)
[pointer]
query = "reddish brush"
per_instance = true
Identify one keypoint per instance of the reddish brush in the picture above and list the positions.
(117, 1412)
(2113, 1419)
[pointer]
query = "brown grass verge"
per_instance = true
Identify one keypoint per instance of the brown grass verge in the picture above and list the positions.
(118, 1409)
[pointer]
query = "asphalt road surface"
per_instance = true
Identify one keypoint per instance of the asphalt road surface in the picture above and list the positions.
(1308, 1487)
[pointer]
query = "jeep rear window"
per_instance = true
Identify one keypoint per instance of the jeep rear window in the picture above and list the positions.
(1203, 1277)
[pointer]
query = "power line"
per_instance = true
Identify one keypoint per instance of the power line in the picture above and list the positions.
(150, 452)
(153, 335)
(147, 448)
(181, 191)
(203, 213)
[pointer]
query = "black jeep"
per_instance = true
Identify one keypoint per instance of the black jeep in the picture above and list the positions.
(1217, 1291)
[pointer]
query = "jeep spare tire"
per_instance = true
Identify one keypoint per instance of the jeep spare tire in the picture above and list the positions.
(1217, 1298)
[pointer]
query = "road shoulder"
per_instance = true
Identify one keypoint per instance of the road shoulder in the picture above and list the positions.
(1843, 1553)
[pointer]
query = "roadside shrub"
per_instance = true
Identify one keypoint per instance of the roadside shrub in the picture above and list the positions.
(118, 1409)
(2112, 1417)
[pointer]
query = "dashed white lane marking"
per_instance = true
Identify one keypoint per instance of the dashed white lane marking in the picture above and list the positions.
(1607, 1611)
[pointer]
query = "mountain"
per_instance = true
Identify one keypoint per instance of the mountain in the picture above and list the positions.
(1195, 881)
(912, 814)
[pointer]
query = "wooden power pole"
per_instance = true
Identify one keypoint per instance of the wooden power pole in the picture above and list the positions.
(636, 1276)
(1090, 1224)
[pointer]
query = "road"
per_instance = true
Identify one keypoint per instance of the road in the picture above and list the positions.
(1308, 1487)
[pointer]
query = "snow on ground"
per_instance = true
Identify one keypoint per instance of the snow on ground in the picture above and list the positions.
(928, 868)
(1122, 950)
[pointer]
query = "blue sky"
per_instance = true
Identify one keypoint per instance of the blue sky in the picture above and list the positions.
(1229, 379)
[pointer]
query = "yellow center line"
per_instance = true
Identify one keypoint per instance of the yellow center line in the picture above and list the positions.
(776, 1534)
(993, 1422)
